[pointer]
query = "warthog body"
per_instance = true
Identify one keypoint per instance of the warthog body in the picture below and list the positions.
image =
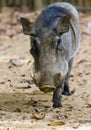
(55, 37)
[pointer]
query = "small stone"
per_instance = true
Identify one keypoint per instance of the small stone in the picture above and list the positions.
(15, 62)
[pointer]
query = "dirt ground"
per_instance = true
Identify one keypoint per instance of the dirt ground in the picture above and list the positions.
(22, 105)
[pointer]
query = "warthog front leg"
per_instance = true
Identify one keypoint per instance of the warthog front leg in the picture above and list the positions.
(66, 90)
(57, 95)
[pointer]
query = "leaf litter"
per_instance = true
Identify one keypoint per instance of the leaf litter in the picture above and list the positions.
(29, 107)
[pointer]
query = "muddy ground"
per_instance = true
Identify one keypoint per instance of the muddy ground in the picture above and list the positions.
(22, 105)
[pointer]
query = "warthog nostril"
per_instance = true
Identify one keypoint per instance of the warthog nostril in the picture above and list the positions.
(60, 75)
(47, 88)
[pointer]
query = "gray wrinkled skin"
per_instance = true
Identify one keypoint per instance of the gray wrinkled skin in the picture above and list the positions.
(55, 38)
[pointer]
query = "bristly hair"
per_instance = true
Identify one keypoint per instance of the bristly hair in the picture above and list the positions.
(50, 14)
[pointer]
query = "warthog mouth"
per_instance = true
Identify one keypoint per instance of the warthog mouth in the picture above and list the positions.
(47, 88)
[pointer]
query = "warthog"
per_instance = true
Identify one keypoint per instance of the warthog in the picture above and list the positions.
(55, 38)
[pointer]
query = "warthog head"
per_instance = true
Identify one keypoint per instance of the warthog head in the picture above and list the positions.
(49, 36)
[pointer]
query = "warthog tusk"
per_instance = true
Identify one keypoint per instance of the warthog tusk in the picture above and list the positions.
(31, 75)
(60, 75)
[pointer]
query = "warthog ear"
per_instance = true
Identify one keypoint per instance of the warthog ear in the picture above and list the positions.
(63, 25)
(28, 28)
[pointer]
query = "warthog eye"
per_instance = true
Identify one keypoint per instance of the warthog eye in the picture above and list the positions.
(34, 47)
(58, 44)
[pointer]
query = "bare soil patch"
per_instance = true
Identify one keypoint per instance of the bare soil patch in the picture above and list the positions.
(22, 105)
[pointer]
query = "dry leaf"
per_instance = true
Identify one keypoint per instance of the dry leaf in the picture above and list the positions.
(38, 116)
(2, 82)
(53, 128)
(75, 125)
(58, 123)
(88, 105)
(17, 110)
(81, 61)
(73, 91)
(69, 108)
(85, 33)
(80, 74)
(71, 75)
(2, 31)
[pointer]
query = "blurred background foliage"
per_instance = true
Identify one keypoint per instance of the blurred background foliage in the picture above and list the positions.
(39, 4)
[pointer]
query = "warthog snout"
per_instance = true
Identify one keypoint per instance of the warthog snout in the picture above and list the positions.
(47, 88)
